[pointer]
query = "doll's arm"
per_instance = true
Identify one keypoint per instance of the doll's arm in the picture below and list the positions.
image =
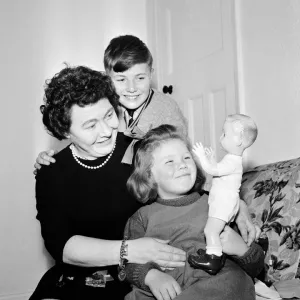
(205, 156)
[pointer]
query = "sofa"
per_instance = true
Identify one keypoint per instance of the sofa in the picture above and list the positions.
(272, 193)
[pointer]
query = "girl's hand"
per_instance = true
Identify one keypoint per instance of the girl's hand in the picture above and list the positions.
(44, 158)
(232, 242)
(147, 249)
(162, 285)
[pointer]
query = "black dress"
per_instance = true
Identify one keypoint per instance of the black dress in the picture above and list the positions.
(73, 200)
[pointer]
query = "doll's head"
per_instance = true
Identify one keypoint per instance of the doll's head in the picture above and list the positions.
(164, 166)
(239, 133)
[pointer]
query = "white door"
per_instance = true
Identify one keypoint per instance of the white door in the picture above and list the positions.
(194, 51)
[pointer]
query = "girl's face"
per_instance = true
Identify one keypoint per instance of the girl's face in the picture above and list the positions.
(173, 169)
(93, 129)
(133, 85)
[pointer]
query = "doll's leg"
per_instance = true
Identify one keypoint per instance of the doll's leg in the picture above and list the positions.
(212, 231)
(212, 261)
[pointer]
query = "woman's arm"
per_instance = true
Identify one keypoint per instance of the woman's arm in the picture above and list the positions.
(250, 258)
(64, 244)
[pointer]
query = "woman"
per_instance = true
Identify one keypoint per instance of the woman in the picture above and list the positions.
(82, 200)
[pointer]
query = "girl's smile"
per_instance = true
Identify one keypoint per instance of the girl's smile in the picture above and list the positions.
(173, 169)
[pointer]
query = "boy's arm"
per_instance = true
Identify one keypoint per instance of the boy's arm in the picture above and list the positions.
(44, 158)
(224, 167)
(136, 273)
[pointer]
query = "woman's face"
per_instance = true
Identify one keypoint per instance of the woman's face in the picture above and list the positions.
(173, 169)
(93, 129)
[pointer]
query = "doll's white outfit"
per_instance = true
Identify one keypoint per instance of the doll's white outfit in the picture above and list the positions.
(224, 193)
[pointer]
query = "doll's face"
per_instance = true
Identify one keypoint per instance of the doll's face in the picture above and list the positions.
(173, 169)
(228, 138)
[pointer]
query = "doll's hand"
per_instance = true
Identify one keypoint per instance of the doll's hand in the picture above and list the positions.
(232, 242)
(163, 286)
(199, 150)
(210, 154)
(44, 158)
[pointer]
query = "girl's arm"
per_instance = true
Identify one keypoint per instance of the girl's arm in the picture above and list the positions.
(136, 273)
(250, 258)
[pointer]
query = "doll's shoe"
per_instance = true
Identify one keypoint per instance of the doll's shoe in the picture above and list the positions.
(210, 263)
(202, 252)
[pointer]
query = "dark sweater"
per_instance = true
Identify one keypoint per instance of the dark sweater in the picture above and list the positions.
(73, 200)
(182, 221)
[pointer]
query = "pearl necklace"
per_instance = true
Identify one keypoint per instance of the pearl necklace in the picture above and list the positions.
(91, 167)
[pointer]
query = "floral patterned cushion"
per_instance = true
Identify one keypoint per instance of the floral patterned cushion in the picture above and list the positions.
(272, 193)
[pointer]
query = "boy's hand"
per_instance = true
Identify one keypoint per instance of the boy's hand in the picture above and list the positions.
(162, 285)
(232, 242)
(44, 158)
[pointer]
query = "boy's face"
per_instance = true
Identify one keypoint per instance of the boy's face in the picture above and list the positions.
(228, 137)
(173, 169)
(133, 85)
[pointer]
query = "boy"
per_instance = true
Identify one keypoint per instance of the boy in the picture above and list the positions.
(128, 61)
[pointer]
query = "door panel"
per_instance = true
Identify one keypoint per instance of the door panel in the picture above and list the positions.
(195, 53)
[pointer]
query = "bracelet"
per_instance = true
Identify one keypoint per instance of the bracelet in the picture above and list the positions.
(123, 261)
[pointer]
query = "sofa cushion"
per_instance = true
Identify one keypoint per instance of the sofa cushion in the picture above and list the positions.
(272, 193)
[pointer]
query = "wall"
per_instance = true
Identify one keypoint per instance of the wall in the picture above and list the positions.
(37, 36)
(268, 35)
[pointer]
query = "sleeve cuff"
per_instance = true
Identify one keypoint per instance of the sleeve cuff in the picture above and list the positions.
(140, 272)
(252, 261)
(251, 254)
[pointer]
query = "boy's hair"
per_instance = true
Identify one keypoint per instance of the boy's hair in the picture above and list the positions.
(125, 51)
(248, 127)
(141, 182)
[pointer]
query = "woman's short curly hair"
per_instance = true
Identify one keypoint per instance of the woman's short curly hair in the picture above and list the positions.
(78, 85)
(141, 182)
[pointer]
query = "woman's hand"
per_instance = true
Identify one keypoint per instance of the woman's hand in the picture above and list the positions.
(162, 285)
(248, 230)
(232, 242)
(44, 158)
(147, 249)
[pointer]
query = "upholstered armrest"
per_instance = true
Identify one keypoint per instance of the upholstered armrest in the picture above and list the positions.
(272, 193)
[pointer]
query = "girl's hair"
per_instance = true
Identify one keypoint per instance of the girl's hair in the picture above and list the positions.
(141, 182)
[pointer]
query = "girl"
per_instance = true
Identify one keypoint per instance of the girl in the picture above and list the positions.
(166, 175)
